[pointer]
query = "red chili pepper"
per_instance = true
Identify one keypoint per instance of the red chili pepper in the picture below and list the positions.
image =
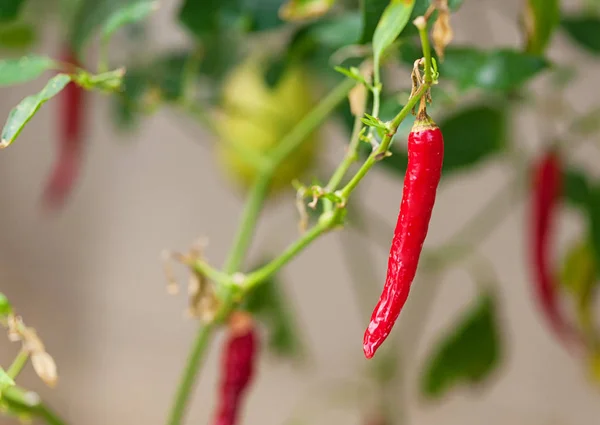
(70, 148)
(425, 159)
(546, 196)
(237, 368)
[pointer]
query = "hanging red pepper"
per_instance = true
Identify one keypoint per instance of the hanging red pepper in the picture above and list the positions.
(70, 144)
(547, 180)
(237, 368)
(425, 159)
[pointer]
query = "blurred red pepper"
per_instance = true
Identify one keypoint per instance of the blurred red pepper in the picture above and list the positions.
(70, 143)
(546, 196)
(237, 368)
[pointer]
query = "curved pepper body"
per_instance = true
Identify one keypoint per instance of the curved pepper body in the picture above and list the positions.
(425, 159)
(70, 145)
(237, 371)
(547, 181)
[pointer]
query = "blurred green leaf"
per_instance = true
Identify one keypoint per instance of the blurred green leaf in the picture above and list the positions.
(209, 18)
(20, 115)
(202, 17)
(420, 8)
(131, 14)
(5, 307)
(584, 30)
(579, 274)
(491, 70)
(576, 187)
(297, 10)
(392, 22)
(17, 36)
(471, 135)
(593, 210)
(269, 304)
(9, 9)
(371, 13)
(544, 17)
(91, 15)
(468, 354)
(21, 70)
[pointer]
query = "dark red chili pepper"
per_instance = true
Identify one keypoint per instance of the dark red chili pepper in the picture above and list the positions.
(70, 148)
(237, 368)
(425, 159)
(546, 196)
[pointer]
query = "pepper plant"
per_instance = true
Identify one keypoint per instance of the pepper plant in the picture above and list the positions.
(263, 76)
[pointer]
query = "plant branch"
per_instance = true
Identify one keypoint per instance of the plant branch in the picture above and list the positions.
(250, 215)
(189, 374)
(243, 238)
(294, 249)
(18, 364)
(22, 400)
(383, 147)
(421, 25)
(310, 122)
(349, 159)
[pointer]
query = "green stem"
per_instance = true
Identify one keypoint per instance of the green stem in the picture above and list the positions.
(203, 268)
(286, 147)
(45, 413)
(421, 25)
(350, 157)
(103, 56)
(294, 249)
(18, 364)
(22, 400)
(385, 143)
(189, 375)
(250, 215)
(243, 238)
(310, 122)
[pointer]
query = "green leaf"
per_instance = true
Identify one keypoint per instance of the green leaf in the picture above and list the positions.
(203, 18)
(5, 307)
(544, 17)
(593, 210)
(491, 70)
(467, 354)
(21, 70)
(392, 22)
(584, 30)
(371, 13)
(576, 187)
(471, 136)
(17, 36)
(269, 304)
(24, 111)
(9, 9)
(130, 14)
(579, 275)
(91, 15)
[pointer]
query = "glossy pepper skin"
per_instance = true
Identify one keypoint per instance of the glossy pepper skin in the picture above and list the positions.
(423, 173)
(237, 369)
(546, 191)
(70, 144)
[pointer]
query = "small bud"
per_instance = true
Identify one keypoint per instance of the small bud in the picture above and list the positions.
(44, 366)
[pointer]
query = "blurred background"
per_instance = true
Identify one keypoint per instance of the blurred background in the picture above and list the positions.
(90, 280)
